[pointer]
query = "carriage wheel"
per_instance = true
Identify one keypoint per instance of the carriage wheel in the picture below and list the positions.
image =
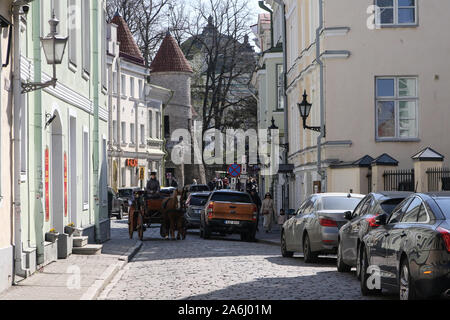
(131, 222)
(141, 227)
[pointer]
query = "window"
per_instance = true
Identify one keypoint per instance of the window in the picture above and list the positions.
(132, 93)
(166, 126)
(86, 32)
(114, 137)
(422, 217)
(103, 48)
(158, 125)
(413, 211)
(85, 169)
(396, 108)
(114, 79)
(397, 214)
(132, 141)
(124, 136)
(150, 124)
(72, 31)
(142, 134)
(141, 91)
(280, 86)
(340, 203)
(124, 85)
(397, 12)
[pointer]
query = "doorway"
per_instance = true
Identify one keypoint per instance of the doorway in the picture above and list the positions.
(73, 171)
(57, 175)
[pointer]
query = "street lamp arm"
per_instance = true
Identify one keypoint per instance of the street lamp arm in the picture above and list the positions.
(33, 86)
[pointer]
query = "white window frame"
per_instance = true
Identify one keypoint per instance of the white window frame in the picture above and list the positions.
(132, 133)
(123, 80)
(86, 32)
(72, 18)
(150, 124)
(396, 14)
(132, 89)
(396, 98)
(123, 126)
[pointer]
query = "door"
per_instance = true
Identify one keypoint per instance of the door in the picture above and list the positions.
(301, 222)
(57, 175)
(384, 235)
(350, 231)
(291, 225)
(397, 239)
(73, 172)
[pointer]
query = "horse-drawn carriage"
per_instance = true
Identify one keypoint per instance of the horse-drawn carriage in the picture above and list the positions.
(164, 209)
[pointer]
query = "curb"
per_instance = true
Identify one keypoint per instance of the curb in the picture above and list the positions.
(106, 277)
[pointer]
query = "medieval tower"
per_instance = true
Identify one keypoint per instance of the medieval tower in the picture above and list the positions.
(170, 69)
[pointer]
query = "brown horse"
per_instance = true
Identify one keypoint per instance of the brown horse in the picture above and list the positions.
(173, 216)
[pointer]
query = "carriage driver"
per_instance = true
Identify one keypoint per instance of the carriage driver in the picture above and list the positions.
(153, 186)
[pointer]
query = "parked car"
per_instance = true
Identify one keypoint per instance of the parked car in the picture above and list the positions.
(410, 251)
(116, 205)
(314, 229)
(127, 194)
(167, 192)
(361, 222)
(194, 205)
(228, 212)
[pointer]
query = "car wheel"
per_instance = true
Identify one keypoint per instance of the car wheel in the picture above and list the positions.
(406, 286)
(341, 266)
(358, 263)
(365, 290)
(308, 256)
(284, 252)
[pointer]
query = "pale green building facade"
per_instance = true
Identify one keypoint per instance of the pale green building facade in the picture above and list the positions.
(63, 145)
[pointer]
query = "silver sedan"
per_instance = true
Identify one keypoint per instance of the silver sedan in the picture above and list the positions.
(315, 228)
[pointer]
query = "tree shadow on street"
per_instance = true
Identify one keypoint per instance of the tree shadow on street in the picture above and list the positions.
(327, 285)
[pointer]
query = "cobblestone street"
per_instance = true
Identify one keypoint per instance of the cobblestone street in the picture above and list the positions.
(225, 268)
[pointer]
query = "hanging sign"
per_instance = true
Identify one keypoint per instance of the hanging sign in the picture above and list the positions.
(131, 163)
(47, 189)
(65, 184)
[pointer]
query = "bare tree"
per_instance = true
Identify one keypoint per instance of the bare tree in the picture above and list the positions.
(222, 59)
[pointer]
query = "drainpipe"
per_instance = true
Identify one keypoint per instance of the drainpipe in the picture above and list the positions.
(320, 171)
(265, 8)
(95, 80)
(38, 187)
(286, 120)
(19, 263)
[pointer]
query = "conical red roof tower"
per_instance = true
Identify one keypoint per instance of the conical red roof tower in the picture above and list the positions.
(128, 47)
(170, 58)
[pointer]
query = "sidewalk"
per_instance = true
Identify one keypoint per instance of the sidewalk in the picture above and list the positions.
(79, 277)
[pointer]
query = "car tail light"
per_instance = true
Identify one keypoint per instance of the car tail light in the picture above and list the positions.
(209, 211)
(373, 221)
(328, 223)
(255, 212)
(446, 237)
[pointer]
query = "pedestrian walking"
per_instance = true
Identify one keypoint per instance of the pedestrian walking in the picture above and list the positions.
(268, 211)
(282, 217)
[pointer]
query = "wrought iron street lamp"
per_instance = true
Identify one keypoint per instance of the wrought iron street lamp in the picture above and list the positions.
(54, 46)
(274, 127)
(305, 109)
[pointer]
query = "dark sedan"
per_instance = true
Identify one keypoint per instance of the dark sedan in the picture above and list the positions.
(362, 220)
(194, 205)
(410, 252)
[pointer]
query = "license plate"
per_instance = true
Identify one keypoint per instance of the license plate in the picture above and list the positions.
(231, 222)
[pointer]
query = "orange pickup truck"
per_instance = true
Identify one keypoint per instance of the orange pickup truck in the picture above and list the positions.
(228, 212)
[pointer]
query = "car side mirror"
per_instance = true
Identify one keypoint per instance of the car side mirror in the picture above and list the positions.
(381, 219)
(348, 215)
